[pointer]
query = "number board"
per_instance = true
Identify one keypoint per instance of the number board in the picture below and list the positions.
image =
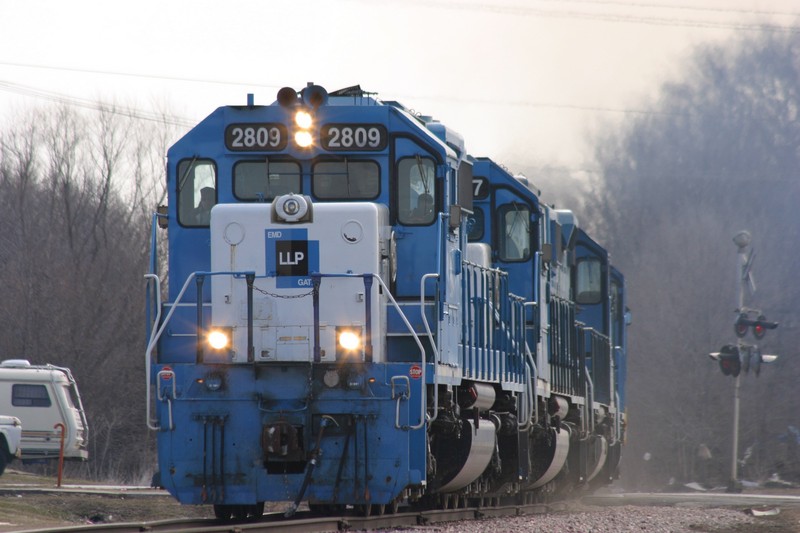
(368, 137)
(255, 137)
(480, 188)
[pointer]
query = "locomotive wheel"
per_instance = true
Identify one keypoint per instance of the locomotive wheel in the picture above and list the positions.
(239, 512)
(257, 510)
(223, 512)
(379, 509)
(323, 509)
(447, 501)
(364, 510)
(394, 505)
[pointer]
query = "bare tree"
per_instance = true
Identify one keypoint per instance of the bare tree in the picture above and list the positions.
(76, 191)
(718, 153)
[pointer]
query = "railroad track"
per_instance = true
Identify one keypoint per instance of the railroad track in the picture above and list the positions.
(304, 522)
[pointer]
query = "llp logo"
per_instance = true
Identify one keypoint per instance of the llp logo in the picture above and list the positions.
(291, 257)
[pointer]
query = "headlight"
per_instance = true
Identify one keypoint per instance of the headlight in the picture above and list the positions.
(291, 207)
(303, 119)
(303, 139)
(218, 339)
(348, 343)
(349, 340)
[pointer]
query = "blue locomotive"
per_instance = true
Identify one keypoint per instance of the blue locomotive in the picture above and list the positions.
(360, 313)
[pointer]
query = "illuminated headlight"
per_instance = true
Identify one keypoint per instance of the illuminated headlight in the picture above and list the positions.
(218, 339)
(348, 342)
(303, 139)
(303, 119)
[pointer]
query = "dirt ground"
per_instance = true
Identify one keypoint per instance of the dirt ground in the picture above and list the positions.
(20, 510)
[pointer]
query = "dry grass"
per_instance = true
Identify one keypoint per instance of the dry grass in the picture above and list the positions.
(20, 509)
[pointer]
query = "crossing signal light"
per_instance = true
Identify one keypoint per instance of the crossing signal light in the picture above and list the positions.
(729, 361)
(741, 326)
(759, 325)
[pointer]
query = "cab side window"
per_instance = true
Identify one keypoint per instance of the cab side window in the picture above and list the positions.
(475, 224)
(197, 191)
(514, 232)
(588, 282)
(416, 191)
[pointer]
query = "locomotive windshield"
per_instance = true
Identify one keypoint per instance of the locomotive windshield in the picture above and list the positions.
(265, 180)
(346, 180)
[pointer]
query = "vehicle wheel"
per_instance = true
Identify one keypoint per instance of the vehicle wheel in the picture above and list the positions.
(5, 457)
(394, 505)
(240, 512)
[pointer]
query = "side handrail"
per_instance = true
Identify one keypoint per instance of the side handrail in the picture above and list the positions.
(618, 416)
(151, 422)
(434, 345)
(534, 387)
(589, 404)
(533, 390)
(424, 399)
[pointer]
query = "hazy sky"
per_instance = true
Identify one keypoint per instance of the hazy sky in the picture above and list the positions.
(525, 82)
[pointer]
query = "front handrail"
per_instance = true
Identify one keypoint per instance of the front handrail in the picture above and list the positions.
(155, 334)
(410, 328)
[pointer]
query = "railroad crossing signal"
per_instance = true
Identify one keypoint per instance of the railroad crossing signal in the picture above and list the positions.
(729, 360)
(733, 359)
(760, 325)
(751, 357)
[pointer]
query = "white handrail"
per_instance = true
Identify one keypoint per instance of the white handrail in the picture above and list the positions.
(421, 353)
(156, 334)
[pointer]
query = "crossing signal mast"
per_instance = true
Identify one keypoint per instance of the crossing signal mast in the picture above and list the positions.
(733, 358)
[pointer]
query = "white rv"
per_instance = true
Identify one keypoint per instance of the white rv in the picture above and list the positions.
(45, 398)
